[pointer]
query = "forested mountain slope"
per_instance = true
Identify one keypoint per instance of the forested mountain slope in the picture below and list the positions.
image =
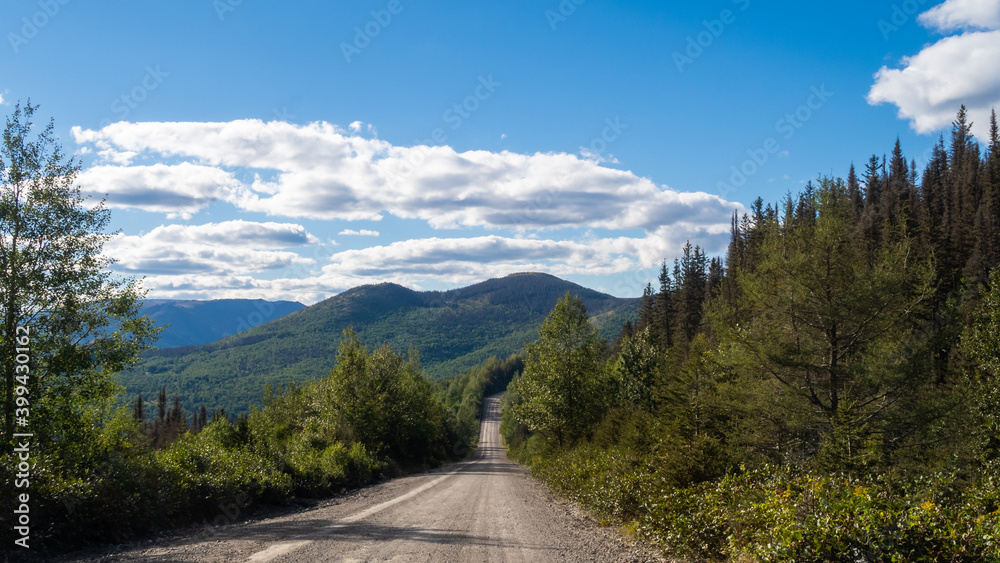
(452, 330)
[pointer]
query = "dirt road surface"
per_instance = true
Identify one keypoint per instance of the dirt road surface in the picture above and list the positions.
(484, 509)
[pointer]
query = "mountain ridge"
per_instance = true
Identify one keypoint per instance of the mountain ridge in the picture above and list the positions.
(194, 322)
(452, 330)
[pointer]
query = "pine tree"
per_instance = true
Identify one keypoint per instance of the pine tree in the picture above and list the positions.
(177, 419)
(854, 195)
(138, 412)
(161, 406)
(963, 197)
(716, 273)
(691, 288)
(894, 198)
(871, 214)
(830, 327)
(663, 309)
(646, 305)
(934, 214)
(991, 192)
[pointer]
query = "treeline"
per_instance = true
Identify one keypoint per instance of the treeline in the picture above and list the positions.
(828, 393)
(464, 394)
(170, 423)
(79, 467)
(376, 415)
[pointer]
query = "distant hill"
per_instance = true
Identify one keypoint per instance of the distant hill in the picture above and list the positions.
(189, 323)
(452, 330)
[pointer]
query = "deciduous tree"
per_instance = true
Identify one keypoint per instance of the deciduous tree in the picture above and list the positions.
(563, 374)
(83, 321)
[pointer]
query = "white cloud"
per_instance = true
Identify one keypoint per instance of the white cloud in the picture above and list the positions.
(2, 101)
(319, 171)
(361, 233)
(956, 70)
(178, 270)
(238, 233)
(228, 248)
(465, 260)
(963, 14)
(182, 188)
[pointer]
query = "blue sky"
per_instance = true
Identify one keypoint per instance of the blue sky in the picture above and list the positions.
(292, 151)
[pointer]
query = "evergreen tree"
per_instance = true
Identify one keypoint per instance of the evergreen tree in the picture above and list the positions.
(637, 370)
(895, 197)
(854, 195)
(647, 315)
(829, 326)
(963, 197)
(138, 412)
(161, 406)
(663, 309)
(716, 273)
(691, 290)
(177, 418)
(871, 214)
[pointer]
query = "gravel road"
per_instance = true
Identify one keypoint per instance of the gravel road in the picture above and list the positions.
(484, 509)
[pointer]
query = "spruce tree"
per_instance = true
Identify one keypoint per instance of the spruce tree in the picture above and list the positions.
(646, 308)
(663, 309)
(854, 194)
(138, 412)
(161, 406)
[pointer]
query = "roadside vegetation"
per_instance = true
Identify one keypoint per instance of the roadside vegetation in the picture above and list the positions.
(829, 393)
(99, 472)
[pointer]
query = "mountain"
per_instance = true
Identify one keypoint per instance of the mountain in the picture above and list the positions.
(452, 330)
(189, 323)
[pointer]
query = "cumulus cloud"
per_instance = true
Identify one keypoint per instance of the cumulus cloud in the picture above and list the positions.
(183, 188)
(463, 260)
(959, 69)
(458, 256)
(319, 171)
(228, 248)
(963, 14)
(179, 271)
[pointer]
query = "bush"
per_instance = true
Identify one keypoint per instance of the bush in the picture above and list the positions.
(771, 515)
